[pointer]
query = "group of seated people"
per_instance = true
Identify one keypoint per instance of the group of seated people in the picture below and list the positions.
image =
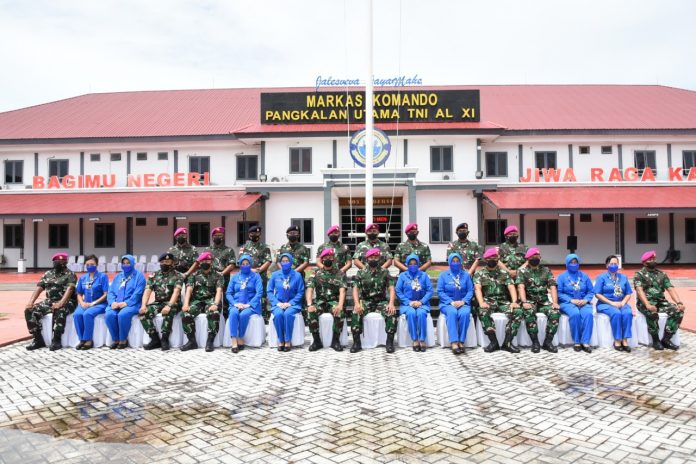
(487, 287)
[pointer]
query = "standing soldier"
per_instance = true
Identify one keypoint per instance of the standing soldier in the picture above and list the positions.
(299, 252)
(184, 253)
(59, 285)
(373, 291)
(330, 285)
(412, 246)
(650, 284)
(534, 283)
(495, 292)
(372, 241)
(223, 259)
(165, 284)
(261, 258)
(342, 254)
(203, 293)
(512, 252)
(470, 250)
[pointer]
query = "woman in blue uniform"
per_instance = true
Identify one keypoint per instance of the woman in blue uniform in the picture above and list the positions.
(285, 291)
(124, 300)
(575, 295)
(613, 293)
(455, 290)
(243, 294)
(414, 291)
(91, 292)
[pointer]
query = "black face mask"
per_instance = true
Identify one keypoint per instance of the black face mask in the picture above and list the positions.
(58, 265)
(206, 266)
(534, 261)
(373, 263)
(218, 240)
(327, 262)
(462, 235)
(372, 236)
(293, 238)
(412, 236)
(513, 239)
(333, 238)
(181, 240)
(166, 267)
(492, 263)
(254, 237)
(651, 264)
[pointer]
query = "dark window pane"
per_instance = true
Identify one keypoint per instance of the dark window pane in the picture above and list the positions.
(13, 236)
(162, 221)
(241, 168)
(104, 235)
(57, 235)
(294, 161)
(690, 231)
(306, 160)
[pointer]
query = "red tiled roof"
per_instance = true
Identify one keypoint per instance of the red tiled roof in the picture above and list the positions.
(229, 111)
(160, 202)
(560, 199)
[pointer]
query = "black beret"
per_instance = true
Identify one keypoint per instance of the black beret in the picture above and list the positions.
(255, 229)
(164, 256)
(292, 229)
(463, 225)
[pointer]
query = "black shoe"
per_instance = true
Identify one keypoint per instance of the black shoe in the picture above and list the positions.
(422, 348)
(316, 344)
(626, 348)
(235, 349)
(508, 346)
(165, 342)
(155, 342)
(667, 343)
(618, 347)
(657, 344)
(37, 343)
(548, 344)
(287, 348)
(336, 342)
(209, 344)
(86, 347)
(587, 348)
(577, 347)
(535, 343)
(191, 343)
(80, 346)
(357, 346)
(240, 347)
(455, 350)
(416, 347)
(493, 345)
(390, 343)
(55, 343)
(123, 346)
(113, 346)
(281, 348)
(460, 350)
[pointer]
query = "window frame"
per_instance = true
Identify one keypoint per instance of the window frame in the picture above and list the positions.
(162, 156)
(692, 155)
(104, 235)
(584, 150)
(243, 231)
(51, 242)
(141, 220)
(14, 233)
(14, 164)
(687, 238)
(198, 160)
(162, 222)
(246, 161)
(607, 149)
(58, 163)
(547, 157)
(653, 167)
(197, 234)
(499, 155)
(440, 151)
(95, 157)
(546, 237)
(115, 157)
(583, 217)
(299, 151)
(487, 227)
(304, 230)
(141, 156)
(639, 230)
(445, 229)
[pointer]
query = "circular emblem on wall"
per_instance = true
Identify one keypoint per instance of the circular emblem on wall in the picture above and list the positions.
(380, 150)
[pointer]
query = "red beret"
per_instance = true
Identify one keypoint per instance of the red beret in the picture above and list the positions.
(218, 230)
(205, 255)
(60, 255)
(332, 229)
(372, 226)
(327, 252)
(510, 229)
(493, 251)
(410, 227)
(647, 255)
(180, 230)
(372, 252)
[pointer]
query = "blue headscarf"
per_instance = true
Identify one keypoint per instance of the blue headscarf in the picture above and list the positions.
(461, 262)
(132, 261)
(243, 257)
(568, 259)
(289, 255)
(408, 260)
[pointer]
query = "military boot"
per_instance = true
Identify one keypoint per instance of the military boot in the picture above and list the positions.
(357, 346)
(336, 342)
(667, 343)
(493, 345)
(191, 343)
(209, 344)
(316, 344)
(55, 343)
(657, 344)
(535, 343)
(165, 341)
(507, 344)
(155, 341)
(390, 343)
(548, 344)
(38, 342)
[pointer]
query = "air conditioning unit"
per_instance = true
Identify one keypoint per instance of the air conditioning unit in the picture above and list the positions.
(447, 176)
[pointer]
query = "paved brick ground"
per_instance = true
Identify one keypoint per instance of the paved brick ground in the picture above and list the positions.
(265, 406)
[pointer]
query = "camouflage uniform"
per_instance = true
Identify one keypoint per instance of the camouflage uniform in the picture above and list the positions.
(468, 249)
(341, 252)
(260, 254)
(223, 256)
(373, 288)
(184, 256)
(495, 293)
(419, 249)
(326, 284)
(55, 284)
(203, 296)
(537, 283)
(363, 247)
(163, 286)
(512, 255)
(654, 284)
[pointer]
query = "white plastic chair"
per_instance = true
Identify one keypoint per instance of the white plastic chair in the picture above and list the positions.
(471, 340)
(374, 331)
(136, 335)
(404, 338)
(114, 265)
(69, 337)
(79, 265)
(254, 336)
(101, 267)
(153, 265)
(140, 263)
(326, 330)
(298, 332)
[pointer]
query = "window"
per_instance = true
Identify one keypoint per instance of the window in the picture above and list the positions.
(243, 231)
(199, 234)
(58, 236)
(547, 231)
(545, 159)
(606, 149)
(95, 157)
(115, 157)
(607, 218)
(247, 167)
(14, 172)
(585, 217)
(199, 164)
(441, 159)
(58, 168)
(496, 164)
(300, 161)
(440, 230)
(646, 230)
(140, 221)
(142, 156)
(584, 150)
(688, 160)
(306, 227)
(162, 221)
(104, 235)
(163, 156)
(13, 236)
(493, 230)
(645, 159)
(690, 231)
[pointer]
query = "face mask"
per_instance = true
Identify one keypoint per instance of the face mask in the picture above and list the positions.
(206, 266)
(293, 238)
(413, 269)
(126, 268)
(373, 263)
(217, 240)
(58, 265)
(463, 235)
(181, 240)
(254, 237)
(513, 239)
(286, 266)
(573, 267)
(651, 264)
(333, 238)
(245, 268)
(534, 261)
(613, 267)
(327, 262)
(372, 236)
(456, 268)
(92, 268)
(492, 263)
(166, 267)
(412, 235)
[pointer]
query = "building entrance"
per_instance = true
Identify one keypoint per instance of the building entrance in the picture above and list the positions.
(387, 213)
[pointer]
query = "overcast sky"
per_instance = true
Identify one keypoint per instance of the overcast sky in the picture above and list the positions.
(54, 49)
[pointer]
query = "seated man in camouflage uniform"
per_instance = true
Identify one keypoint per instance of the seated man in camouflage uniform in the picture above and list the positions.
(59, 285)
(329, 283)
(373, 291)
(203, 293)
(495, 293)
(165, 284)
(512, 252)
(412, 246)
(650, 284)
(534, 282)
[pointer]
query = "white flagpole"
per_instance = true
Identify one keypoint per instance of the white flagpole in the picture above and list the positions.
(369, 123)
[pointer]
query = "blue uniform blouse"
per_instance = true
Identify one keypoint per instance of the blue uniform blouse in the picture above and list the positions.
(449, 291)
(285, 288)
(605, 286)
(245, 289)
(577, 286)
(92, 289)
(414, 288)
(128, 289)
